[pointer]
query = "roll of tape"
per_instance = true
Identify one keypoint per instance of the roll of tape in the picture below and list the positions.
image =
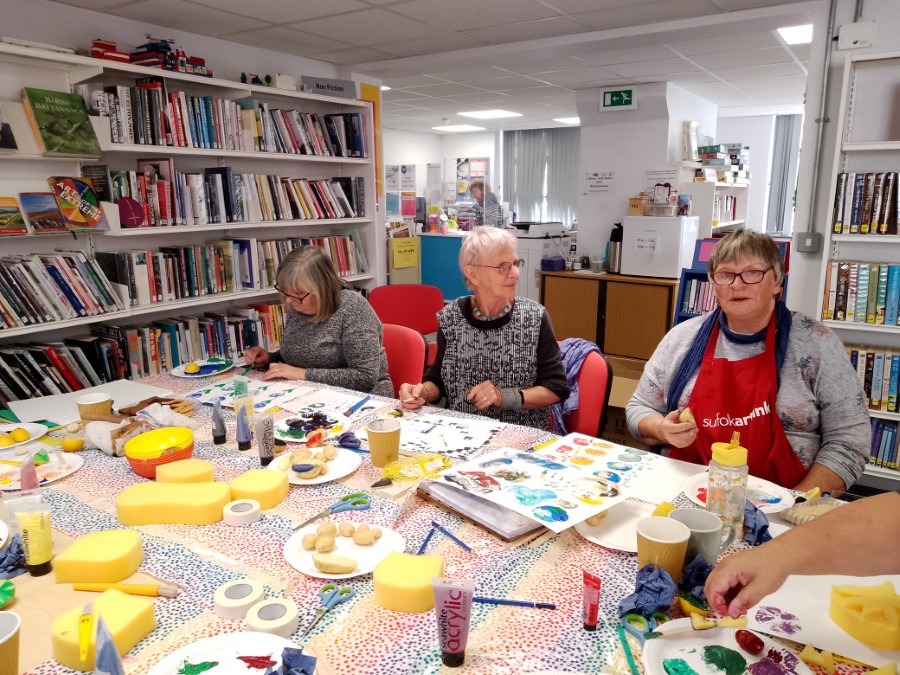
(241, 512)
(232, 600)
(279, 617)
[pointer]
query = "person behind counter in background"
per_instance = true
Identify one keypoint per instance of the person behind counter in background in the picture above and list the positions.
(782, 380)
(858, 539)
(331, 334)
(487, 208)
(497, 355)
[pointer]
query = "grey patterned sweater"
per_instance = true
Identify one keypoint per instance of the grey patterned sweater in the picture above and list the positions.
(345, 350)
(821, 402)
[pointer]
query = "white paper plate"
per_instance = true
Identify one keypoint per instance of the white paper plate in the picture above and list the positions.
(4, 534)
(762, 487)
(366, 557)
(226, 365)
(282, 428)
(225, 649)
(679, 641)
(47, 473)
(35, 431)
(617, 530)
(344, 464)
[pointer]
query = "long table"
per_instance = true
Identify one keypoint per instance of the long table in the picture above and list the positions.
(359, 637)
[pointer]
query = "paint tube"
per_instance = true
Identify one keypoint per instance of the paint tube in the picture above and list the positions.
(243, 429)
(591, 600)
(218, 423)
(36, 535)
(264, 430)
(242, 396)
(453, 608)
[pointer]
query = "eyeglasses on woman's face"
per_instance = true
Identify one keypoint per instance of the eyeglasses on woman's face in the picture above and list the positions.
(747, 277)
(505, 268)
(296, 298)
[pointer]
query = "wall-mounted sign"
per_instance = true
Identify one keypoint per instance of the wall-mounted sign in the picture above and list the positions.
(617, 99)
(326, 87)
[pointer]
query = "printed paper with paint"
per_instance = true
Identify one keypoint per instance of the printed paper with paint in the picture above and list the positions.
(426, 433)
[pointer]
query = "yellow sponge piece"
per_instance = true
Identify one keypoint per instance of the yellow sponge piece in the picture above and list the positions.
(183, 503)
(100, 557)
(889, 669)
(403, 582)
(813, 657)
(129, 619)
(871, 614)
(266, 487)
(185, 471)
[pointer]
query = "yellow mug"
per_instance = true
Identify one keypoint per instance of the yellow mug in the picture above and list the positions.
(663, 542)
(384, 441)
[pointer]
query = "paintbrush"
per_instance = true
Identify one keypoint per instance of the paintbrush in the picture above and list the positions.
(152, 590)
(356, 406)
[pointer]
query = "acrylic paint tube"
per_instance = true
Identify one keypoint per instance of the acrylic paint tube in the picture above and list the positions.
(591, 600)
(264, 430)
(243, 429)
(36, 535)
(453, 608)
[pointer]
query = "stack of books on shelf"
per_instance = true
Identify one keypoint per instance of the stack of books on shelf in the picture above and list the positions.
(878, 370)
(699, 297)
(724, 163)
(884, 445)
(862, 292)
(724, 208)
(865, 203)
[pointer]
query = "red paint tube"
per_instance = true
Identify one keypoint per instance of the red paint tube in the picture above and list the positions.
(591, 600)
(453, 608)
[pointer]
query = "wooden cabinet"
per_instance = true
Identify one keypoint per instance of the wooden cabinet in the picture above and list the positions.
(626, 316)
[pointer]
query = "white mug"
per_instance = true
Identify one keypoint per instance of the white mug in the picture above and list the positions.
(706, 533)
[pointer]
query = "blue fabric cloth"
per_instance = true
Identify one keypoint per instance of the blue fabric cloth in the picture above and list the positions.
(692, 359)
(693, 579)
(12, 559)
(756, 525)
(295, 662)
(654, 591)
(108, 661)
(573, 352)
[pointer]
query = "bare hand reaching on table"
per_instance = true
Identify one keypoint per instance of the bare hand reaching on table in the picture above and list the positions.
(257, 357)
(484, 395)
(283, 370)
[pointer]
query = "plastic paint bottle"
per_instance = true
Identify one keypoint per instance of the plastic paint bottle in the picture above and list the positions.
(726, 493)
(264, 430)
(218, 423)
(36, 533)
(243, 429)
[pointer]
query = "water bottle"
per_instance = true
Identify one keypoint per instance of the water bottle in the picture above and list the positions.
(726, 493)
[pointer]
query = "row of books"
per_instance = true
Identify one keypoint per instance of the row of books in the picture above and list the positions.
(878, 370)
(699, 297)
(66, 284)
(884, 445)
(862, 292)
(865, 203)
(148, 114)
(724, 208)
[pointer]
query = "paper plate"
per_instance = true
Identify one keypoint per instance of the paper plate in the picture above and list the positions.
(680, 641)
(366, 557)
(282, 430)
(35, 431)
(617, 530)
(4, 534)
(225, 649)
(344, 464)
(50, 472)
(769, 497)
(226, 365)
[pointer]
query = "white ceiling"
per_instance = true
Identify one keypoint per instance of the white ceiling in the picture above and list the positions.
(442, 57)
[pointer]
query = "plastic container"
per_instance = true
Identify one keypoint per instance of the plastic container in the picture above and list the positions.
(726, 493)
(147, 451)
(667, 210)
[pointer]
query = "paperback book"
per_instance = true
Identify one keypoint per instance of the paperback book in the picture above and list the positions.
(11, 221)
(78, 203)
(42, 212)
(61, 123)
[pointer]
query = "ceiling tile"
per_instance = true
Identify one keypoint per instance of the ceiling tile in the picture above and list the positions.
(387, 107)
(469, 14)
(97, 5)
(734, 5)
(365, 28)
(736, 59)
(504, 83)
(346, 57)
(436, 43)
(777, 70)
(285, 40)
(186, 16)
(796, 81)
(527, 64)
(546, 92)
(284, 11)
(483, 98)
(576, 76)
(637, 13)
(528, 30)
(580, 6)
(401, 95)
(801, 51)
(715, 44)
(412, 81)
(607, 57)
(480, 72)
(447, 89)
(643, 68)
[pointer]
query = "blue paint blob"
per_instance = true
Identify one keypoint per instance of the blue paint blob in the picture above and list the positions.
(618, 466)
(500, 461)
(530, 497)
(550, 514)
(611, 476)
(758, 497)
(630, 457)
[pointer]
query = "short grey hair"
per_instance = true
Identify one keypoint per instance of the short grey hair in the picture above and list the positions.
(744, 243)
(311, 268)
(483, 243)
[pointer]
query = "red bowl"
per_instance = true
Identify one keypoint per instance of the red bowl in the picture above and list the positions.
(147, 467)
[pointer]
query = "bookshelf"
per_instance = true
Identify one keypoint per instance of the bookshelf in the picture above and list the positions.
(26, 170)
(704, 197)
(867, 143)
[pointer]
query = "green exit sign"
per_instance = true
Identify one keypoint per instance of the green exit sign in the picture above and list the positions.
(618, 99)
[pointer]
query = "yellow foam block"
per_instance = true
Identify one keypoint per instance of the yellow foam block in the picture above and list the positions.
(889, 669)
(813, 657)
(183, 503)
(129, 618)
(871, 614)
(100, 557)
(403, 582)
(185, 471)
(266, 487)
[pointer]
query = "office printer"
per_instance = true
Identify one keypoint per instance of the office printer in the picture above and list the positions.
(526, 230)
(538, 241)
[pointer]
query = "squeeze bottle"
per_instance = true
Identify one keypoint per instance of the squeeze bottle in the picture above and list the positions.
(726, 492)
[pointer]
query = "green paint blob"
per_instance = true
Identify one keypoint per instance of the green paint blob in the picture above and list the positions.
(724, 659)
(678, 667)
(196, 668)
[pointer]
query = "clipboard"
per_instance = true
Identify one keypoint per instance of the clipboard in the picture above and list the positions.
(496, 519)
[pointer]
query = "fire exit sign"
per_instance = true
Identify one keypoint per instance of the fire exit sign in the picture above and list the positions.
(618, 99)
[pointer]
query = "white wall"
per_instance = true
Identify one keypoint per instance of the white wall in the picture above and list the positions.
(411, 147)
(757, 132)
(686, 106)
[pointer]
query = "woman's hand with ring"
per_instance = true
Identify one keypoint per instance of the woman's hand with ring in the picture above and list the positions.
(484, 395)
(413, 396)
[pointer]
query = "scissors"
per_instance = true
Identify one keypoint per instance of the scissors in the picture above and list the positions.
(331, 596)
(356, 501)
(641, 627)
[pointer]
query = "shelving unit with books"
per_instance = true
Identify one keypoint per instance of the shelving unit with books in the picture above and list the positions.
(860, 275)
(220, 219)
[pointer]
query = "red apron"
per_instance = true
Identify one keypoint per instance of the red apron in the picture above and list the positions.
(739, 396)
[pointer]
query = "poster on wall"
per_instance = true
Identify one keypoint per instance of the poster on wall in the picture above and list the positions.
(597, 183)
(392, 178)
(407, 178)
(408, 204)
(467, 170)
(433, 183)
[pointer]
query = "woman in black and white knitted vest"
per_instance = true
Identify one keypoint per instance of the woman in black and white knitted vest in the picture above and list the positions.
(497, 355)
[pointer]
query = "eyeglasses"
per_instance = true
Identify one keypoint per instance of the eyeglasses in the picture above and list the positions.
(506, 267)
(296, 298)
(747, 276)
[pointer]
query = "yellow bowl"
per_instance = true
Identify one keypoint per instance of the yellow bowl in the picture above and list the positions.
(153, 444)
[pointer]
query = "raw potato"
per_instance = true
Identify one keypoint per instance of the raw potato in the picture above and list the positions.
(327, 529)
(309, 541)
(330, 452)
(317, 469)
(687, 416)
(376, 533)
(362, 528)
(595, 520)
(346, 529)
(333, 564)
(300, 456)
(73, 428)
(325, 543)
(363, 538)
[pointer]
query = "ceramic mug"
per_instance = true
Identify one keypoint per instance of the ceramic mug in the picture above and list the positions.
(706, 533)
(663, 542)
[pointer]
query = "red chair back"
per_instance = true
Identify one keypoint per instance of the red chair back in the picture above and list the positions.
(412, 305)
(594, 384)
(405, 350)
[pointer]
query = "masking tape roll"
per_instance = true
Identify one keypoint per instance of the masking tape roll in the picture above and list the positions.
(241, 512)
(232, 600)
(279, 617)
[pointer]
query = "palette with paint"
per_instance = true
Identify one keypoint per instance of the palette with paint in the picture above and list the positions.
(683, 651)
(769, 497)
(232, 654)
(60, 465)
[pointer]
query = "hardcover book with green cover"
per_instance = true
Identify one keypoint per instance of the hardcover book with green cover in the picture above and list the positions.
(61, 123)
(78, 203)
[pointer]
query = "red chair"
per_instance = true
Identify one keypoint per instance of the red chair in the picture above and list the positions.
(594, 384)
(412, 305)
(405, 349)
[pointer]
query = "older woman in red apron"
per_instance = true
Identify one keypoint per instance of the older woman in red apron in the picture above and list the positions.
(782, 380)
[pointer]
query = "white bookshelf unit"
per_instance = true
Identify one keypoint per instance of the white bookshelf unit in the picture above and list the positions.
(704, 196)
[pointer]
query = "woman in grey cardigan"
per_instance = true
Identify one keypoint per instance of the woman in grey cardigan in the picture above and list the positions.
(331, 335)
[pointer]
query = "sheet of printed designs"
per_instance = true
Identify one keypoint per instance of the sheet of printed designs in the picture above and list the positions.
(454, 437)
(330, 400)
(267, 396)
